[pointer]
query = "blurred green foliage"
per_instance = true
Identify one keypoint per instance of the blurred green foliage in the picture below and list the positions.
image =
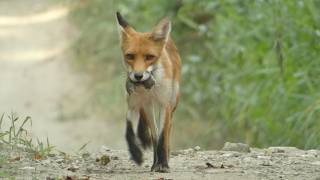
(250, 67)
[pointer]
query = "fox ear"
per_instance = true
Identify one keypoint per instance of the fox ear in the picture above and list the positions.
(162, 30)
(121, 21)
(124, 27)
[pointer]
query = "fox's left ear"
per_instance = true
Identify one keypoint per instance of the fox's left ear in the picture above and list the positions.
(162, 30)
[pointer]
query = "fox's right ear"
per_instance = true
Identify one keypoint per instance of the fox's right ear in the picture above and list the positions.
(124, 27)
(121, 21)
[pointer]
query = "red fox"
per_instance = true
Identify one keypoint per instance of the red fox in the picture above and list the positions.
(153, 66)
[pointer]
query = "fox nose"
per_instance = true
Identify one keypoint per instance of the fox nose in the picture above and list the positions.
(138, 76)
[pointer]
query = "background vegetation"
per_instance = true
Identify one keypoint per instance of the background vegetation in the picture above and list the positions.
(250, 68)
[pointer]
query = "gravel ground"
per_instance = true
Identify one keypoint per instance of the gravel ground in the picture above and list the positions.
(194, 163)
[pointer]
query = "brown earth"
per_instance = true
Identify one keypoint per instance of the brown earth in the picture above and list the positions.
(271, 163)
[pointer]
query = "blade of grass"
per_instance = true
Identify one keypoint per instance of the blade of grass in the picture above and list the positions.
(83, 146)
(1, 120)
(28, 118)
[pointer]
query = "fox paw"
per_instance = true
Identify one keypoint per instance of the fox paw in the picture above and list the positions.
(160, 168)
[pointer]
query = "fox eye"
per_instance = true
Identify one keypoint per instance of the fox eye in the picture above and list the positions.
(150, 57)
(129, 56)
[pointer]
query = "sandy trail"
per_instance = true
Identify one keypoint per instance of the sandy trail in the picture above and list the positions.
(36, 78)
(271, 163)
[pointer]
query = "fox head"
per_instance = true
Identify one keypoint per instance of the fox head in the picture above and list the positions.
(142, 51)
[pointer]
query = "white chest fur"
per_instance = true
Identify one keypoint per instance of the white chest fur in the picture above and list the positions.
(163, 93)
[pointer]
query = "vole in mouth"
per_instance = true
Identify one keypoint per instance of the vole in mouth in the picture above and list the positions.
(147, 84)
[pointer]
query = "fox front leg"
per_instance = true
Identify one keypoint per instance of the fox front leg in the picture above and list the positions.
(162, 164)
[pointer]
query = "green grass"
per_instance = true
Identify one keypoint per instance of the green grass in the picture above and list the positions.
(250, 68)
(17, 136)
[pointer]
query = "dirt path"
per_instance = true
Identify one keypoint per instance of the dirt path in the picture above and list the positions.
(36, 79)
(272, 163)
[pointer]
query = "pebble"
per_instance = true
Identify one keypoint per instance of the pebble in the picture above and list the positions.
(28, 168)
(73, 168)
(197, 148)
(282, 149)
(238, 147)
(316, 163)
(232, 154)
(46, 162)
(60, 161)
(104, 148)
(266, 163)
(90, 167)
(175, 153)
(85, 155)
(313, 152)
(188, 150)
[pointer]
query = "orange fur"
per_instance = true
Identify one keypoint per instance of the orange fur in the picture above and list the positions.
(156, 51)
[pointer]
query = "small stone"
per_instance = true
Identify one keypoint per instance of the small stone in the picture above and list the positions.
(115, 158)
(175, 153)
(316, 163)
(313, 152)
(266, 163)
(238, 147)
(282, 149)
(85, 178)
(28, 168)
(73, 168)
(85, 155)
(105, 148)
(189, 150)
(231, 154)
(51, 155)
(60, 161)
(46, 162)
(197, 148)
(90, 167)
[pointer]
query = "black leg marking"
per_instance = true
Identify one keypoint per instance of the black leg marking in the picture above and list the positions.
(143, 131)
(162, 157)
(144, 135)
(135, 151)
(155, 156)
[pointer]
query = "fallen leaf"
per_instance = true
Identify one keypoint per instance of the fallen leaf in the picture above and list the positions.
(104, 160)
(37, 156)
(15, 159)
(70, 178)
(209, 165)
(222, 166)
(85, 178)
